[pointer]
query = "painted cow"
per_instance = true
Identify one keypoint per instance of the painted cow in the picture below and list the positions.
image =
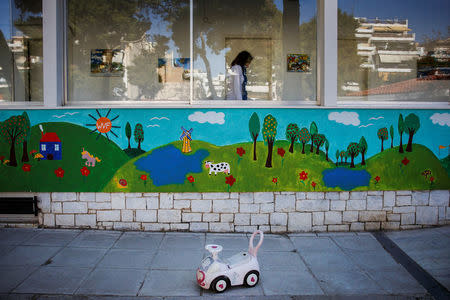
(220, 167)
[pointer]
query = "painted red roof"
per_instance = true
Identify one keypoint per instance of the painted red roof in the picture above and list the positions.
(50, 137)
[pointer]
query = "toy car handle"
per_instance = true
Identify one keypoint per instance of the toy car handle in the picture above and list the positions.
(254, 250)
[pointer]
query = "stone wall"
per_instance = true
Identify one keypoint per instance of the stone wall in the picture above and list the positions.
(244, 212)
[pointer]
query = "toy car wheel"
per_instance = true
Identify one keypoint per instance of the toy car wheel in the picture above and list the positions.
(220, 284)
(251, 279)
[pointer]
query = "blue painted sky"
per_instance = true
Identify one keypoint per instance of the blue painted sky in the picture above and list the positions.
(162, 126)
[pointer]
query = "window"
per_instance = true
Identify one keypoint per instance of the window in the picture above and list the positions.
(21, 51)
(56, 147)
(43, 147)
(394, 50)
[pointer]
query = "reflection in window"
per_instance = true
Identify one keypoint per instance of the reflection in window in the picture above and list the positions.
(127, 50)
(394, 50)
(270, 30)
(21, 50)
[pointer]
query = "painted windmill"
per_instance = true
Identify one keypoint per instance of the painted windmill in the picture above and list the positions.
(186, 137)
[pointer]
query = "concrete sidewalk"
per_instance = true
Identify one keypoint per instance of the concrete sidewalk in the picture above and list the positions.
(52, 263)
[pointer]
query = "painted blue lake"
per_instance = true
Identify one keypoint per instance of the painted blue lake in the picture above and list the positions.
(168, 165)
(346, 179)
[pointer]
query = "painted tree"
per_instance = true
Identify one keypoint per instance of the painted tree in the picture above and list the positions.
(318, 141)
(139, 134)
(27, 129)
(382, 135)
(304, 137)
(13, 131)
(412, 125)
(327, 146)
(128, 133)
(391, 131)
(363, 149)
(343, 155)
(313, 131)
(269, 133)
(255, 127)
(337, 157)
(401, 129)
(353, 151)
(346, 156)
(292, 132)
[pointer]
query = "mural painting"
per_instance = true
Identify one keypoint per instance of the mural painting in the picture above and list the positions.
(231, 150)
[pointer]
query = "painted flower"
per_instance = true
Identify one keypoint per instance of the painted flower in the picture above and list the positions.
(85, 171)
(33, 152)
(230, 180)
(143, 177)
(314, 185)
(303, 175)
(281, 152)
(38, 156)
(191, 179)
(275, 180)
(405, 161)
(26, 167)
(2, 158)
(123, 182)
(6, 161)
(377, 179)
(240, 151)
(431, 179)
(59, 172)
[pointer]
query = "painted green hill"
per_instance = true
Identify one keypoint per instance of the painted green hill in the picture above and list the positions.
(42, 178)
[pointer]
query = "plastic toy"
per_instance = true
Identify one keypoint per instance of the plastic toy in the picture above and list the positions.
(242, 268)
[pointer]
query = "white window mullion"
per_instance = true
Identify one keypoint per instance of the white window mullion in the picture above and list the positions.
(327, 52)
(53, 49)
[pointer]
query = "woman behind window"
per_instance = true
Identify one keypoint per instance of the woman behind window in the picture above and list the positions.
(237, 77)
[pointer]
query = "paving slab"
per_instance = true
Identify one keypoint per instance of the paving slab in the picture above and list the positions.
(175, 259)
(397, 281)
(53, 238)
(275, 243)
(279, 261)
(96, 239)
(4, 249)
(28, 256)
(170, 283)
(54, 280)
(183, 241)
(238, 242)
(78, 257)
(12, 276)
(289, 283)
(139, 240)
(322, 260)
(127, 258)
(17, 236)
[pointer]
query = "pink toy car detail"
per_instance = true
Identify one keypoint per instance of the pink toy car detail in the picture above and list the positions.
(240, 269)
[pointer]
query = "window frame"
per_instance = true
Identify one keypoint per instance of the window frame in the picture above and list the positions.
(55, 72)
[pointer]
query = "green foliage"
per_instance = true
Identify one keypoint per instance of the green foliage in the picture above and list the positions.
(337, 155)
(128, 130)
(327, 144)
(363, 145)
(401, 124)
(319, 140)
(14, 130)
(269, 128)
(391, 131)
(254, 126)
(383, 134)
(313, 129)
(353, 149)
(292, 132)
(304, 136)
(27, 127)
(412, 123)
(138, 133)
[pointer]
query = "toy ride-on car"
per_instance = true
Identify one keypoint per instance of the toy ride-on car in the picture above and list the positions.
(240, 269)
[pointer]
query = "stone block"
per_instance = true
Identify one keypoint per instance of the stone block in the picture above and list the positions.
(179, 227)
(259, 219)
(198, 227)
(133, 195)
(186, 196)
(166, 200)
(284, 203)
(372, 216)
(242, 219)
(420, 198)
(338, 205)
(246, 198)
(216, 196)
(191, 217)
(390, 225)
(65, 220)
(332, 196)
(447, 213)
(266, 208)
(300, 196)
(374, 202)
(278, 219)
(148, 216)
(344, 195)
(336, 228)
(313, 205)
(315, 195)
(372, 226)
(126, 226)
(57, 207)
(62, 197)
(227, 218)
(245, 229)
(201, 205)
(320, 228)
(249, 208)
(442, 213)
(350, 216)
(75, 207)
(404, 193)
(211, 217)
(99, 205)
(439, 198)
(427, 215)
(356, 204)
(87, 197)
(404, 209)
(127, 215)
(135, 203)
(181, 204)
(155, 227)
(86, 220)
(221, 227)
(263, 197)
(118, 201)
(150, 194)
(169, 216)
(408, 219)
(357, 226)
(389, 198)
(358, 195)
(225, 206)
(49, 220)
(333, 217)
(318, 218)
(374, 193)
(152, 202)
(299, 222)
(403, 200)
(44, 202)
(393, 217)
(278, 229)
(408, 227)
(102, 197)
(108, 215)
(264, 228)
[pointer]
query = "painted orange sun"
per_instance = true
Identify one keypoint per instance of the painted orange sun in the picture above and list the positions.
(103, 124)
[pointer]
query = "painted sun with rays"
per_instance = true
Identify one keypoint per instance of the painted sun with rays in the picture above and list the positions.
(103, 124)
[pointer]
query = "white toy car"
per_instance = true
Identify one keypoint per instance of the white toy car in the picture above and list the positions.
(242, 268)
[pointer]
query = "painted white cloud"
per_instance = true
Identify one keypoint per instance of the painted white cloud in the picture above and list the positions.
(376, 118)
(441, 119)
(345, 117)
(211, 117)
(64, 115)
(368, 125)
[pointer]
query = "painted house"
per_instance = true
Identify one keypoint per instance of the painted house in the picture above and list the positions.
(355, 142)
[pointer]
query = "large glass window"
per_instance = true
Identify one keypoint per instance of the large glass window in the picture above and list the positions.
(127, 50)
(394, 50)
(21, 50)
(279, 34)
